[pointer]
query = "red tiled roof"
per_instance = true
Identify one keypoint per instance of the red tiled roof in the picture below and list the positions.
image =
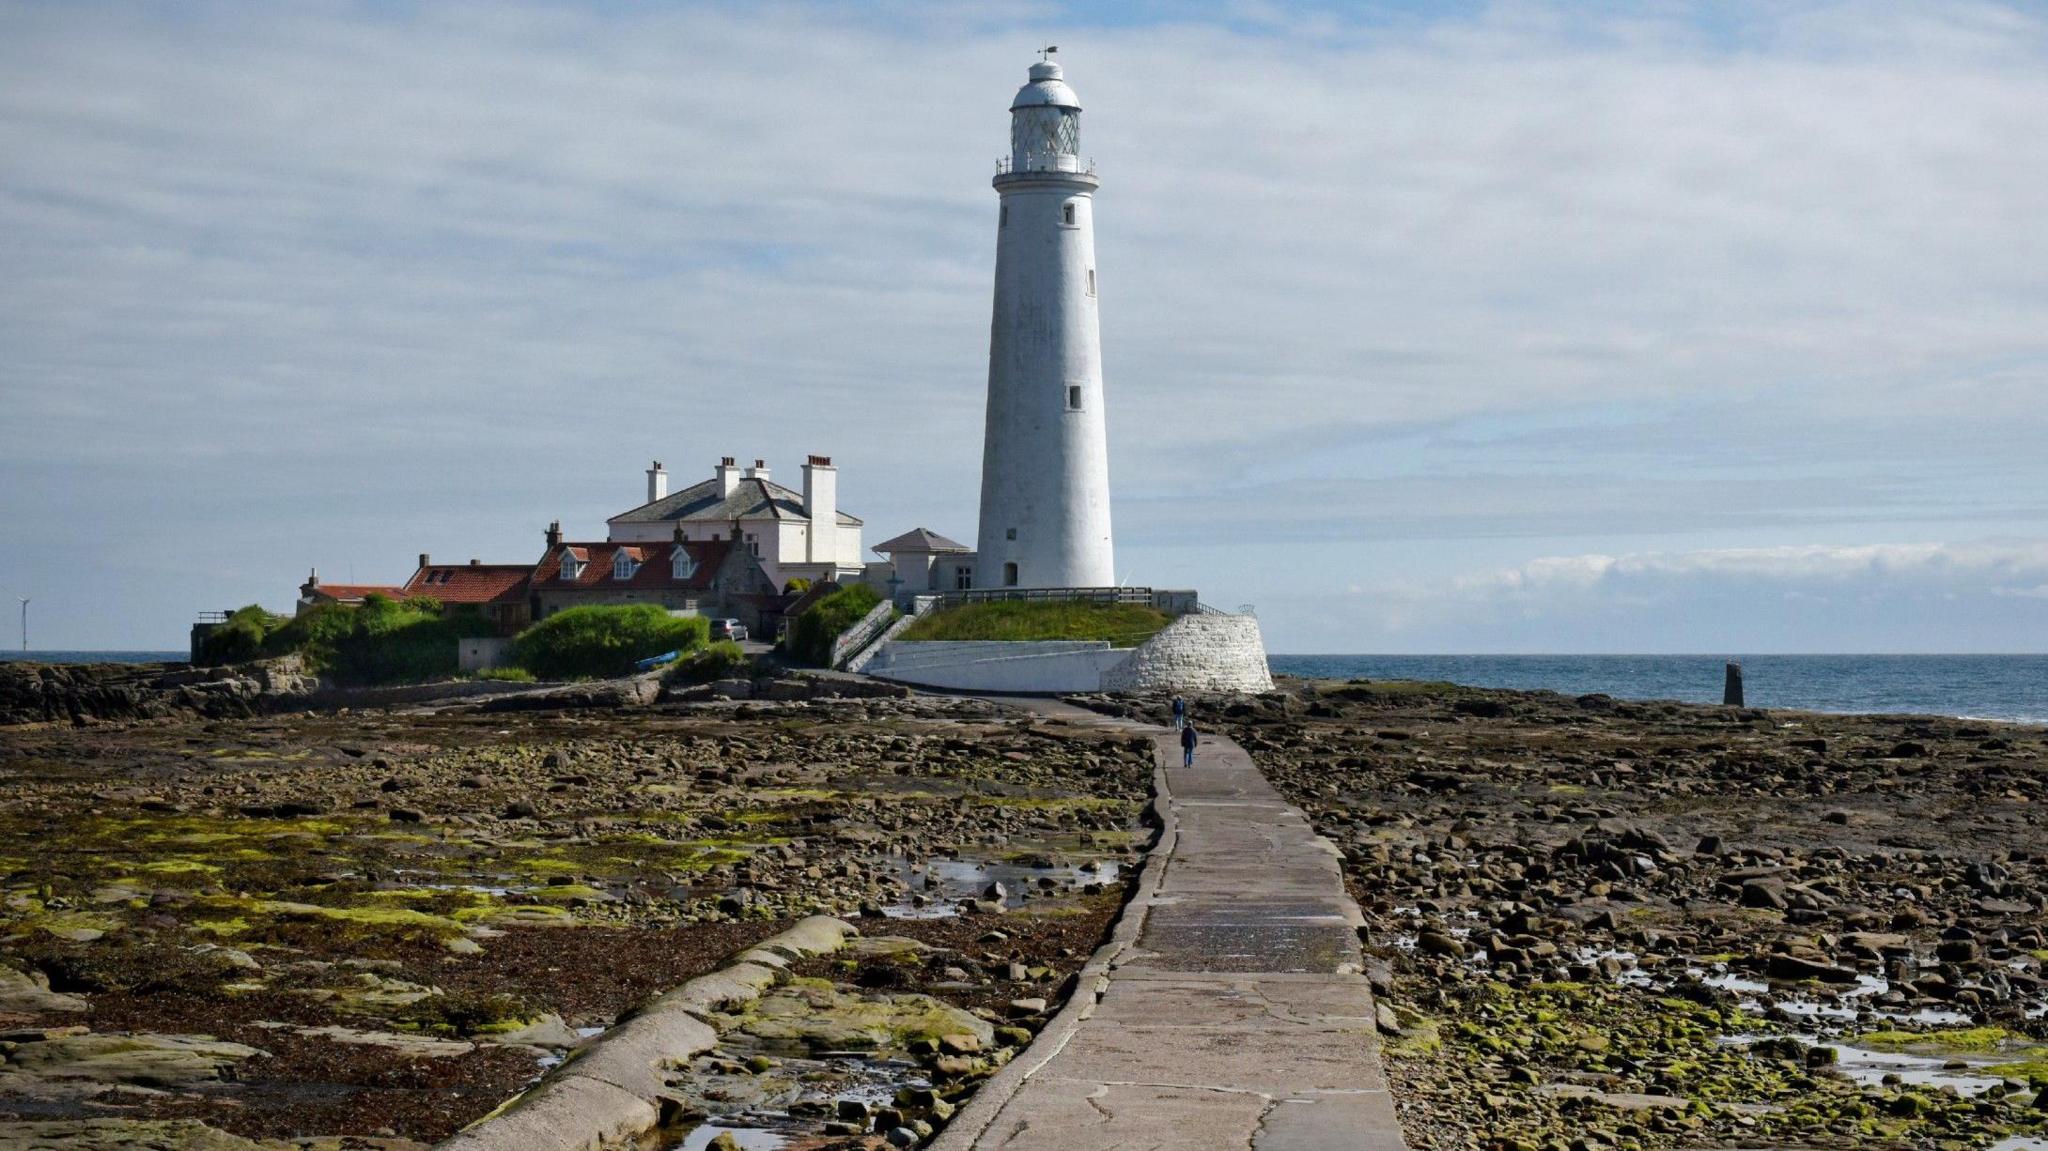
(471, 583)
(349, 592)
(653, 571)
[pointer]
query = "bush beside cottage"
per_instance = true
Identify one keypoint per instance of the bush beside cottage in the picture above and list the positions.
(811, 636)
(596, 642)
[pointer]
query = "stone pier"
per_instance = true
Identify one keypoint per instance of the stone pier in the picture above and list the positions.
(1226, 1012)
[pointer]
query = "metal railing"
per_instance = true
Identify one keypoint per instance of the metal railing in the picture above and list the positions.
(1142, 595)
(1046, 162)
(853, 639)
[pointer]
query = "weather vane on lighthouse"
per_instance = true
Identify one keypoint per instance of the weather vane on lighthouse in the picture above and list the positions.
(1046, 53)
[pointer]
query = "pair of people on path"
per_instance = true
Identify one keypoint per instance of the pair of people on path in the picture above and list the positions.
(1186, 730)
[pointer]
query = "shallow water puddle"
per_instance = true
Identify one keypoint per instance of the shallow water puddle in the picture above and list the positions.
(936, 886)
(1869, 1068)
(1849, 1005)
(793, 1099)
(749, 1138)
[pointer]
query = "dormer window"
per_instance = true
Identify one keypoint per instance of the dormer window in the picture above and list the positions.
(623, 566)
(680, 565)
(571, 566)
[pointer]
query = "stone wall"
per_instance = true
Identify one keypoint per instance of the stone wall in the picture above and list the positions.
(1197, 653)
(1026, 667)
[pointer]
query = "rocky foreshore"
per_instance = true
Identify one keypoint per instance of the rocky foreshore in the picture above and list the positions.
(1604, 924)
(377, 926)
(1590, 923)
(79, 693)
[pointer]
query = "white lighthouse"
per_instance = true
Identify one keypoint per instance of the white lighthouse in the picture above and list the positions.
(1045, 455)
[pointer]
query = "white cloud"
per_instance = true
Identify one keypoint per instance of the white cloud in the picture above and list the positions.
(282, 285)
(1923, 596)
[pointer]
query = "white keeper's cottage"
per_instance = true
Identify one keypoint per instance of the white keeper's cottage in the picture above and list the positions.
(794, 533)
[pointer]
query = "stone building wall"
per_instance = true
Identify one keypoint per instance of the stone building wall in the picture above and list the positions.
(1203, 653)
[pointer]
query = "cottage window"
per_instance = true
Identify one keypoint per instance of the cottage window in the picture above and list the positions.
(680, 565)
(963, 578)
(571, 566)
(623, 566)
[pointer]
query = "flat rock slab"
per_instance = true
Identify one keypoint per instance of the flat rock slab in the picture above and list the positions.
(1234, 1015)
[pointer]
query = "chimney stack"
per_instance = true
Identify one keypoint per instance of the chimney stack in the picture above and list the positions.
(425, 559)
(821, 507)
(759, 471)
(657, 483)
(728, 477)
(554, 535)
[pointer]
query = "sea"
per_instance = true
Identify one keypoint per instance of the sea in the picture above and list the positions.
(2013, 688)
(98, 656)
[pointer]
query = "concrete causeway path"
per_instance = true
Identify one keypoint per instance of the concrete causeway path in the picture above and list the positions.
(1227, 1010)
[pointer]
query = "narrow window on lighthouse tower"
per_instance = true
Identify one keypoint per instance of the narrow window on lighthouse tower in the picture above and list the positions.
(1073, 397)
(1091, 281)
(1066, 213)
(1003, 216)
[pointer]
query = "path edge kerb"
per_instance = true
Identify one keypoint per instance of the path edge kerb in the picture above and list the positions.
(988, 1101)
(610, 1091)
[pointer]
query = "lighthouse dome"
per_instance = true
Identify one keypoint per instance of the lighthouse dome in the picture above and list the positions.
(1046, 89)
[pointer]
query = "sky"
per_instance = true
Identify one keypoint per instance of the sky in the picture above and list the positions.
(1426, 327)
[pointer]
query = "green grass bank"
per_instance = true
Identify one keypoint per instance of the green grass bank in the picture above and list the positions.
(1124, 625)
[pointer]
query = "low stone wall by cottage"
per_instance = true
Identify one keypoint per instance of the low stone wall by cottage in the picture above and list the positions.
(1206, 652)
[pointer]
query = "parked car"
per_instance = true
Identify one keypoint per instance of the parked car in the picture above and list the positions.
(731, 629)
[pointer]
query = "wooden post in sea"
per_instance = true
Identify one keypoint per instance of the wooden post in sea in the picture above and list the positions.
(1731, 686)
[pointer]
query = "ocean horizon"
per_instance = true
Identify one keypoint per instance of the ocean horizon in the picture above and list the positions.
(2010, 688)
(2006, 687)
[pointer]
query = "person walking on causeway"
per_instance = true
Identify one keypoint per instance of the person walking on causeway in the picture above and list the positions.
(1187, 746)
(1180, 713)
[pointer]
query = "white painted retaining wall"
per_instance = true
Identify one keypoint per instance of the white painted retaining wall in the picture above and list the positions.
(1041, 667)
(1207, 652)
